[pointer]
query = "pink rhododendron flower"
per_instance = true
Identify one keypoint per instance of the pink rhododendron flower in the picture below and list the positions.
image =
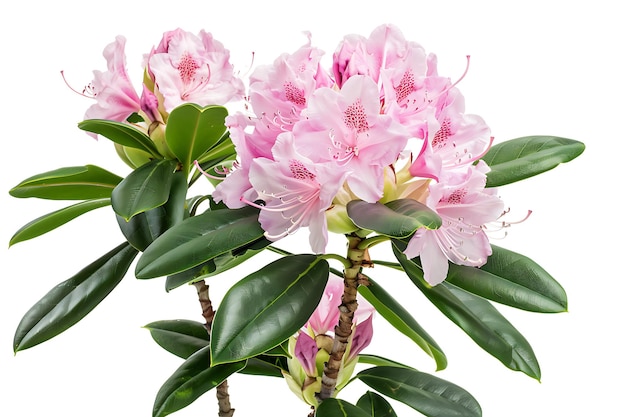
(279, 92)
(345, 127)
(464, 206)
(193, 69)
(296, 192)
(455, 140)
(116, 98)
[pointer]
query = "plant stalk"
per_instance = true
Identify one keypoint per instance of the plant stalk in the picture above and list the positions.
(352, 277)
(223, 398)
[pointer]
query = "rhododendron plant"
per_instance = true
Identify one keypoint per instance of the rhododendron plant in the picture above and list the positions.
(373, 147)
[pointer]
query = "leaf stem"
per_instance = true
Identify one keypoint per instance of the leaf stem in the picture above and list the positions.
(374, 240)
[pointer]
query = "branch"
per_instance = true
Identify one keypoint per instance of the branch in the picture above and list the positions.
(223, 398)
(352, 277)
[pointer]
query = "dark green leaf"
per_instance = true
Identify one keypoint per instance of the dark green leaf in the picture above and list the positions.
(333, 407)
(143, 189)
(192, 379)
(216, 265)
(479, 319)
(402, 320)
(193, 130)
(70, 301)
(267, 307)
(121, 133)
(512, 279)
(521, 158)
(264, 365)
(73, 183)
(180, 337)
(379, 361)
(431, 396)
(143, 228)
(199, 239)
(375, 405)
(399, 218)
(51, 221)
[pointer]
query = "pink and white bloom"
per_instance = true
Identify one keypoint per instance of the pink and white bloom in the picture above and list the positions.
(346, 128)
(465, 206)
(115, 96)
(193, 69)
(296, 192)
(279, 92)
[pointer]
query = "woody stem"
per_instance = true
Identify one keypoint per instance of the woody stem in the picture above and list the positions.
(343, 330)
(223, 398)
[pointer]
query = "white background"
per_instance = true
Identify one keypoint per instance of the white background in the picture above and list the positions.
(544, 67)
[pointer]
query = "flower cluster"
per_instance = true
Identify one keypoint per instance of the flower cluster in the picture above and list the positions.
(380, 124)
(182, 68)
(311, 347)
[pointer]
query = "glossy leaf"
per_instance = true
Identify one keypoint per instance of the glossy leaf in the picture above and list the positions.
(199, 239)
(267, 307)
(431, 396)
(375, 405)
(402, 320)
(264, 365)
(399, 218)
(72, 183)
(192, 379)
(193, 130)
(143, 228)
(479, 319)
(379, 361)
(183, 338)
(51, 221)
(70, 301)
(216, 266)
(524, 157)
(121, 133)
(333, 407)
(143, 189)
(512, 279)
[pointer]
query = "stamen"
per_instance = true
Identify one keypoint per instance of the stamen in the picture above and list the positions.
(88, 90)
(225, 171)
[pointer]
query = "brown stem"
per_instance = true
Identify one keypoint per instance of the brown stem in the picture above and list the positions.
(343, 330)
(223, 398)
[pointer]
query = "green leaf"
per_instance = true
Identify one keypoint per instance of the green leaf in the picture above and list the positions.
(402, 320)
(180, 337)
(143, 189)
(51, 221)
(121, 133)
(511, 279)
(192, 379)
(524, 157)
(193, 130)
(379, 361)
(143, 228)
(431, 396)
(70, 301)
(332, 407)
(216, 266)
(72, 183)
(375, 405)
(267, 307)
(479, 319)
(264, 365)
(399, 218)
(199, 239)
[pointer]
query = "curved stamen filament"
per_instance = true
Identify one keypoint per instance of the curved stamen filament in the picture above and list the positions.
(225, 171)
